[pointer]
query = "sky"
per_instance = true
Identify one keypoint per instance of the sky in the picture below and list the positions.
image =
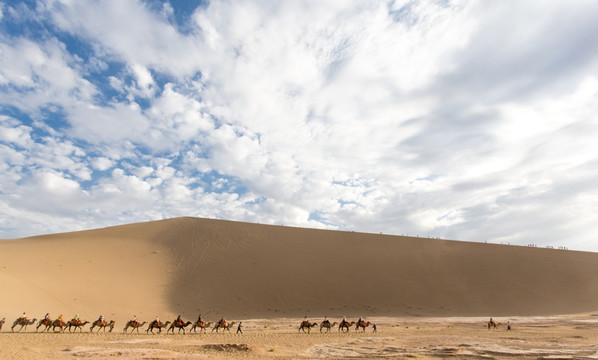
(463, 120)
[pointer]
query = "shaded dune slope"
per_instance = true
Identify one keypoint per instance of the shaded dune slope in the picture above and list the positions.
(242, 270)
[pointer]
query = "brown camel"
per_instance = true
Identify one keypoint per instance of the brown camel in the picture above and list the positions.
(224, 326)
(307, 325)
(45, 322)
(493, 325)
(201, 325)
(2, 322)
(156, 325)
(102, 325)
(327, 325)
(345, 325)
(58, 324)
(134, 325)
(23, 322)
(77, 324)
(178, 324)
(362, 325)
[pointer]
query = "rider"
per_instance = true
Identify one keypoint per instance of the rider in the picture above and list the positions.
(23, 317)
(491, 320)
(326, 321)
(157, 321)
(199, 321)
(359, 321)
(305, 319)
(47, 317)
(222, 322)
(76, 319)
(134, 320)
(178, 320)
(101, 320)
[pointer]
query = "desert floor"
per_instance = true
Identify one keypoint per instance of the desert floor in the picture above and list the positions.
(554, 337)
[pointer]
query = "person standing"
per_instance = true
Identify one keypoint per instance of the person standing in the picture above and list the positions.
(239, 327)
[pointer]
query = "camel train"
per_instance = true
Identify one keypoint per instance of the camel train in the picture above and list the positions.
(72, 325)
(59, 325)
(344, 326)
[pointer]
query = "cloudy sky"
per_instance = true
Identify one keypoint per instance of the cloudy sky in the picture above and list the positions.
(464, 120)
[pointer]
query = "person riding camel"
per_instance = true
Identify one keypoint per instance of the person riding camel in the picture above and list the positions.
(326, 321)
(157, 321)
(359, 321)
(101, 320)
(199, 321)
(134, 321)
(23, 317)
(47, 319)
(222, 322)
(305, 320)
(76, 319)
(60, 320)
(179, 321)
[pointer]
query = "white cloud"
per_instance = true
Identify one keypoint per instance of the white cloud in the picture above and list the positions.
(102, 163)
(144, 78)
(11, 131)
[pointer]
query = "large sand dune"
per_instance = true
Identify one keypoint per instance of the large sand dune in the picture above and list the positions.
(243, 271)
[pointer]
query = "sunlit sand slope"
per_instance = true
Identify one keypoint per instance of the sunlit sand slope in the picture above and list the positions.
(241, 270)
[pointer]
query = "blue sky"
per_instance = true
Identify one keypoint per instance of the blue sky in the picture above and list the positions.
(464, 120)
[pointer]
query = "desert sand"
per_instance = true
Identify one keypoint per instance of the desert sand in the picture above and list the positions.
(554, 337)
(430, 298)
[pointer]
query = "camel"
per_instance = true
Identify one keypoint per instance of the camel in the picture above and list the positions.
(225, 326)
(493, 324)
(58, 323)
(345, 325)
(2, 322)
(134, 325)
(308, 325)
(178, 324)
(23, 322)
(102, 325)
(156, 325)
(201, 325)
(362, 325)
(77, 324)
(46, 322)
(327, 325)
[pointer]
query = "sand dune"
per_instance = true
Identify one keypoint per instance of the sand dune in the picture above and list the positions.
(244, 271)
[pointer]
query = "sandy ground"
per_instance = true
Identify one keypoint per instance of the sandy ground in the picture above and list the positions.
(554, 337)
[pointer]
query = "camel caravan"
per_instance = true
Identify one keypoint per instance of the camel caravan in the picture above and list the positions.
(344, 325)
(155, 326)
(60, 325)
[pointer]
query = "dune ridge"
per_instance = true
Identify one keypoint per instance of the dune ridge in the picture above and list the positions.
(243, 271)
